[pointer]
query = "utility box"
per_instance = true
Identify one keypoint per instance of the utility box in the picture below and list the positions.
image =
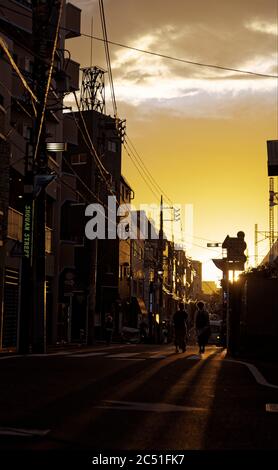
(272, 157)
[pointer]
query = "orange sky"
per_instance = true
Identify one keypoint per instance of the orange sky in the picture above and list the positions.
(201, 132)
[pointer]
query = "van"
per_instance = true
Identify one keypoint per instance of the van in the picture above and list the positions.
(216, 332)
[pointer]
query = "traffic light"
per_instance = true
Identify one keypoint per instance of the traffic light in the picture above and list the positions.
(235, 247)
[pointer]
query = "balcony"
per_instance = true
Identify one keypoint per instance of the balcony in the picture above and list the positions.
(73, 73)
(19, 17)
(70, 130)
(73, 17)
(15, 219)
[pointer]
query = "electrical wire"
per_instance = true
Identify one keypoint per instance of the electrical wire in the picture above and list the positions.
(85, 199)
(99, 164)
(157, 196)
(49, 79)
(164, 56)
(152, 181)
(145, 169)
(16, 100)
(106, 42)
(16, 69)
(107, 53)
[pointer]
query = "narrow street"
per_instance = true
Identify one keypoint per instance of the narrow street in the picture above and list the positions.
(134, 397)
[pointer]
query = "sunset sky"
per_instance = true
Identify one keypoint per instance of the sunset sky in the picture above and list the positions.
(201, 131)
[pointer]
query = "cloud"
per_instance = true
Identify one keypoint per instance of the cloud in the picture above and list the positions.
(192, 31)
(263, 27)
(140, 78)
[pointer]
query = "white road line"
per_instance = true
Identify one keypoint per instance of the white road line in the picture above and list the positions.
(255, 372)
(129, 359)
(61, 353)
(10, 357)
(80, 355)
(157, 356)
(23, 432)
(123, 355)
(155, 407)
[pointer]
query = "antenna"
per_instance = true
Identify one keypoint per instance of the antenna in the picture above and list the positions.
(92, 94)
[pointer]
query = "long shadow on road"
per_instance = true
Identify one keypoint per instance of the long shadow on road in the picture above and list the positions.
(175, 381)
(238, 419)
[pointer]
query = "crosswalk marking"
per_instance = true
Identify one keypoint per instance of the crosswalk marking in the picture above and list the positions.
(123, 355)
(129, 359)
(158, 356)
(118, 354)
(150, 407)
(194, 357)
(23, 432)
(81, 355)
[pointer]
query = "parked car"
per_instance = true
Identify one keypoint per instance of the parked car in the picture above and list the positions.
(216, 332)
(130, 335)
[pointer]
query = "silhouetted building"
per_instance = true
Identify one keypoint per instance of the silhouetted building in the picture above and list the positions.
(16, 127)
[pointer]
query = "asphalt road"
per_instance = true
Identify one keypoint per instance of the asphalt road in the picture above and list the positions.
(134, 397)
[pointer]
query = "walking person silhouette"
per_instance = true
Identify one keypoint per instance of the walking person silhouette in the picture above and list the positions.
(202, 326)
(109, 324)
(180, 324)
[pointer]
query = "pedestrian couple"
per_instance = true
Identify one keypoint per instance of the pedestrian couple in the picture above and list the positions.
(202, 327)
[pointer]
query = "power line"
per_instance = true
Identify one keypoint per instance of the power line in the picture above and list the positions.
(49, 78)
(16, 69)
(164, 56)
(93, 151)
(185, 61)
(147, 172)
(107, 53)
(157, 196)
(85, 199)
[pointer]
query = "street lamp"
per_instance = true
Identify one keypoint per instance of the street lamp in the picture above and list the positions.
(56, 146)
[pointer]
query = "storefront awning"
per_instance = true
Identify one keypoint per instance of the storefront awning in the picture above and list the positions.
(141, 305)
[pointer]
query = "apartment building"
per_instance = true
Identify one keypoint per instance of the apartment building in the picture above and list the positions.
(16, 125)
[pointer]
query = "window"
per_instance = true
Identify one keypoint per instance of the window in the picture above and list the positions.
(79, 159)
(27, 132)
(28, 65)
(124, 271)
(112, 146)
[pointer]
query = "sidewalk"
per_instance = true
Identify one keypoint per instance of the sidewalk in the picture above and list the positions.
(267, 367)
(64, 347)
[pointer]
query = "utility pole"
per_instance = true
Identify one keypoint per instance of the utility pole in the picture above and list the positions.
(256, 261)
(32, 308)
(92, 98)
(160, 266)
(46, 17)
(41, 11)
(24, 336)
